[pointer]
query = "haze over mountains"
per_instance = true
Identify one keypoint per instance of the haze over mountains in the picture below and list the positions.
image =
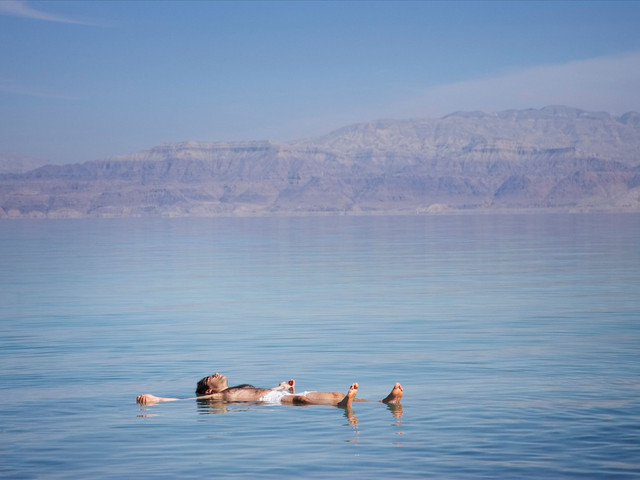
(552, 159)
(14, 163)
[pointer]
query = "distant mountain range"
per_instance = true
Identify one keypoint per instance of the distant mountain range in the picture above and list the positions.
(551, 159)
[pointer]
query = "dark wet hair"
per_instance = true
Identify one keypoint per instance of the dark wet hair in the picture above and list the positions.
(202, 386)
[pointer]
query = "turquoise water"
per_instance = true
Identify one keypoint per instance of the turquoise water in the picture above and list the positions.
(516, 338)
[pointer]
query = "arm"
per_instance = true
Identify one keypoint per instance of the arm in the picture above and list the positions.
(148, 399)
(290, 385)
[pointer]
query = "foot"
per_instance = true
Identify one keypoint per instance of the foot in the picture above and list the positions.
(394, 396)
(351, 394)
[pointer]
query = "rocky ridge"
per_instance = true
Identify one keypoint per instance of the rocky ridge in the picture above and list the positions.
(552, 159)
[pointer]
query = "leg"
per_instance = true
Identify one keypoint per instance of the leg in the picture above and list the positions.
(295, 400)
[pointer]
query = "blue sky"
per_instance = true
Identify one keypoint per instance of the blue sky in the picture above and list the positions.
(82, 80)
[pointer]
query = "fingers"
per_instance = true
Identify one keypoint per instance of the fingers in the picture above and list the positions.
(146, 399)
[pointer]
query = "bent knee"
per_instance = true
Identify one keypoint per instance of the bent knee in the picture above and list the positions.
(296, 400)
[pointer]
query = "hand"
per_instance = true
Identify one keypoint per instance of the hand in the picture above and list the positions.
(147, 399)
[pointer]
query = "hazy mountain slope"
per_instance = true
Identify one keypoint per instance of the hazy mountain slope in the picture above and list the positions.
(477, 135)
(13, 163)
(552, 158)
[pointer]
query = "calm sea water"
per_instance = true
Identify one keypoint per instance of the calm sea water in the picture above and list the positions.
(516, 338)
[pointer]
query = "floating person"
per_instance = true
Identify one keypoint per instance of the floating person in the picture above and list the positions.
(215, 387)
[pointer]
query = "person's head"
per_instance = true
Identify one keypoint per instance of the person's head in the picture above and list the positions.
(212, 384)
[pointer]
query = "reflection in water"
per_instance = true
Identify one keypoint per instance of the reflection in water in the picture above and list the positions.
(353, 420)
(207, 406)
(396, 409)
(144, 415)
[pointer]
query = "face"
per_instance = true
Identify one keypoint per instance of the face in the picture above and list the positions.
(212, 384)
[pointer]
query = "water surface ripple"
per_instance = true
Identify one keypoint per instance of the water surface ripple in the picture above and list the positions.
(516, 338)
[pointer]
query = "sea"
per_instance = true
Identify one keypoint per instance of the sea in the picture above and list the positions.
(516, 339)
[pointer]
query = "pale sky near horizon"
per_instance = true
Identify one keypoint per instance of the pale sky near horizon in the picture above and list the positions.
(82, 80)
